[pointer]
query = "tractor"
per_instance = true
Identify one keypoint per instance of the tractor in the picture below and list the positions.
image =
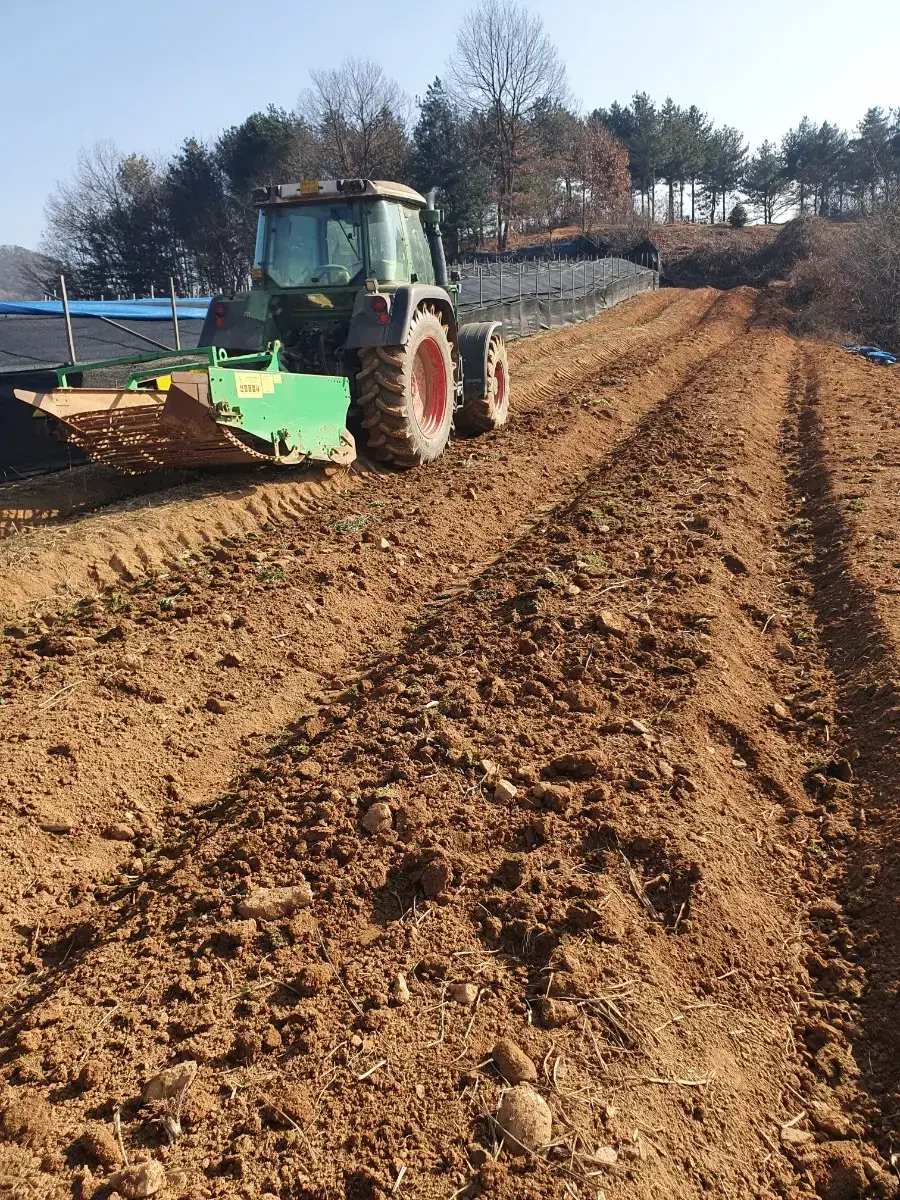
(349, 329)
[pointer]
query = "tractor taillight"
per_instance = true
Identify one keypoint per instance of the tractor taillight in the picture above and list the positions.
(219, 312)
(379, 306)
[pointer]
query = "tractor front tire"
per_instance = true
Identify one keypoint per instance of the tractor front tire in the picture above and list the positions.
(481, 414)
(407, 394)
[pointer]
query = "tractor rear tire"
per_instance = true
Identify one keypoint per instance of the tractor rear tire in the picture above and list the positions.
(407, 394)
(481, 414)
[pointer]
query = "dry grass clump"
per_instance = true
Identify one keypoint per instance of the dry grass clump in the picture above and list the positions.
(850, 285)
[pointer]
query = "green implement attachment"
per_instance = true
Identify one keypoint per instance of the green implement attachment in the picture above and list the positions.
(204, 409)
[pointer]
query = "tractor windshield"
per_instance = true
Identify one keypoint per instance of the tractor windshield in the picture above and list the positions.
(312, 245)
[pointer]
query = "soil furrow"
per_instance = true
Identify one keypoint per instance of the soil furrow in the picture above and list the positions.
(842, 546)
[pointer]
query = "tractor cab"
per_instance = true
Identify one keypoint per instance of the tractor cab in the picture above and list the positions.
(339, 233)
(322, 248)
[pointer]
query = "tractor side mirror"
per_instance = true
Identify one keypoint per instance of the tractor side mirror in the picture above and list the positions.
(455, 277)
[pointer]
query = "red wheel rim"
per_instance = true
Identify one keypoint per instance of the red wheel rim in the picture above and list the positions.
(499, 386)
(429, 387)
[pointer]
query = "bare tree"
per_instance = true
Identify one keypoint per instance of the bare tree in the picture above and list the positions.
(503, 65)
(360, 116)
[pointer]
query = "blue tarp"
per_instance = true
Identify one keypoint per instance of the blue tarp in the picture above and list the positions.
(193, 309)
(874, 354)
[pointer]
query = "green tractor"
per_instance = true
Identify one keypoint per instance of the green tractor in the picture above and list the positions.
(350, 277)
(351, 323)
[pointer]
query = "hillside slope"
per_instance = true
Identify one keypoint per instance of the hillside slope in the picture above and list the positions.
(16, 268)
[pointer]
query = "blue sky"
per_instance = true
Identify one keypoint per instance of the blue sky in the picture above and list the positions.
(147, 73)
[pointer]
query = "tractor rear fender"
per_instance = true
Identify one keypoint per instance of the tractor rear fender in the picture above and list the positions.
(237, 323)
(473, 341)
(366, 329)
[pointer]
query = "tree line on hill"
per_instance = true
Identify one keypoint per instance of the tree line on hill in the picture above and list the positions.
(818, 169)
(497, 136)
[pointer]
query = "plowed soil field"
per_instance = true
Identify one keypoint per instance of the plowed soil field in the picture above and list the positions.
(522, 827)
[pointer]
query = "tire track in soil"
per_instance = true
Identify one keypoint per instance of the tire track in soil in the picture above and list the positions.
(121, 728)
(856, 961)
(657, 901)
(130, 539)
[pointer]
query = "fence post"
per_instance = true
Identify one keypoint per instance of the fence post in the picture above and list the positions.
(520, 283)
(501, 280)
(152, 293)
(65, 303)
(480, 287)
(174, 313)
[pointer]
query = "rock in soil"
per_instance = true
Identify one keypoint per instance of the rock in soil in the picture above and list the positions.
(611, 623)
(464, 993)
(141, 1180)
(400, 990)
(504, 790)
(271, 904)
(513, 1063)
(795, 1137)
(525, 1120)
(171, 1082)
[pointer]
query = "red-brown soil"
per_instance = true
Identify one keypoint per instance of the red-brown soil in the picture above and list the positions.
(586, 732)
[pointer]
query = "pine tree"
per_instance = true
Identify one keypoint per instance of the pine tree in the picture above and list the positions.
(444, 155)
(873, 153)
(764, 181)
(725, 165)
(698, 132)
(674, 149)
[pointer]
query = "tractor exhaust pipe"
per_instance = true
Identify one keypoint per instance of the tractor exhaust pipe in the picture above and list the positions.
(432, 221)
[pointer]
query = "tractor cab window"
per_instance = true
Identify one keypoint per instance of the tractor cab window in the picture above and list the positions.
(419, 253)
(313, 245)
(388, 249)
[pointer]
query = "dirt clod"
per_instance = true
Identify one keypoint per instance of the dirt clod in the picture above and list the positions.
(839, 1172)
(26, 1120)
(525, 1120)
(436, 877)
(140, 1180)
(513, 1063)
(119, 832)
(272, 904)
(99, 1142)
(377, 817)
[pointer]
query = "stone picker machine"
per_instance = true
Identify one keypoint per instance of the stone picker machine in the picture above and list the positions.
(351, 323)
